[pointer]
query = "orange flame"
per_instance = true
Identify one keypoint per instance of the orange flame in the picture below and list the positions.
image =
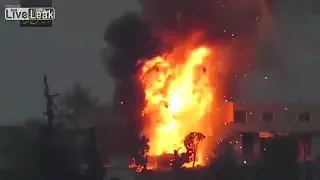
(178, 98)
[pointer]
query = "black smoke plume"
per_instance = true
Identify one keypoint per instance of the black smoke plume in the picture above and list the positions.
(233, 24)
(219, 19)
(236, 26)
(130, 39)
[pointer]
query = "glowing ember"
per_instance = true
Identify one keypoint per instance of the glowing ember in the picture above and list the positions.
(178, 98)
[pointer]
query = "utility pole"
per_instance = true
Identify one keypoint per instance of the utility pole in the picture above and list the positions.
(50, 104)
(50, 108)
(46, 133)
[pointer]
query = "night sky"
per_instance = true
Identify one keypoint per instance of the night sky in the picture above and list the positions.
(70, 51)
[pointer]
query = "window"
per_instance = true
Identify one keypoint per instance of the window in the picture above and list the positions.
(240, 117)
(267, 116)
(304, 117)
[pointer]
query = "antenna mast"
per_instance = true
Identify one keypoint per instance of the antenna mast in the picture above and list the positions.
(51, 107)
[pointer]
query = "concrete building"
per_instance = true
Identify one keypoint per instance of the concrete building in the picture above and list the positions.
(256, 121)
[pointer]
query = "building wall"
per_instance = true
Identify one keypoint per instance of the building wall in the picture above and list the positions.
(285, 117)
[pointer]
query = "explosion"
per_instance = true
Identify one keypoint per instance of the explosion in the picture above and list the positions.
(184, 83)
(178, 96)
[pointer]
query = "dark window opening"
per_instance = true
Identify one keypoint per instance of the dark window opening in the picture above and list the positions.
(248, 141)
(267, 116)
(304, 117)
(240, 117)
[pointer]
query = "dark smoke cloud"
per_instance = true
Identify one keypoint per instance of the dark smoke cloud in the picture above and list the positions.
(131, 39)
(128, 39)
(218, 18)
(235, 24)
(134, 36)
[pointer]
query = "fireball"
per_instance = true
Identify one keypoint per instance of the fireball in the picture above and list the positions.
(178, 98)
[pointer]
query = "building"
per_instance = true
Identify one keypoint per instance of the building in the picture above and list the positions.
(16, 151)
(257, 121)
(15, 143)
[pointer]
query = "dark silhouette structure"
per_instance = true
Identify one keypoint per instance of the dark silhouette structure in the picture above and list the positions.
(51, 107)
(95, 169)
(46, 147)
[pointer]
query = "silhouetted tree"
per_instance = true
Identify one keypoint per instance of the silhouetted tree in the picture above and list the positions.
(77, 103)
(191, 143)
